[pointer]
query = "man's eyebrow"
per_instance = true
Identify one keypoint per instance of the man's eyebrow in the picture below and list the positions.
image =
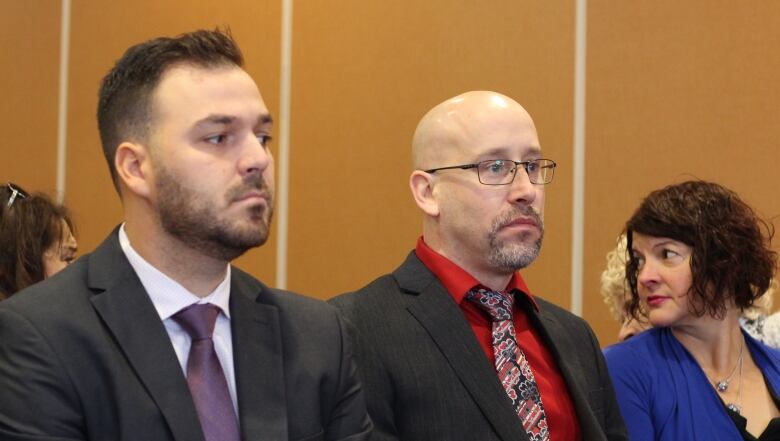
(215, 120)
(495, 152)
(226, 120)
(265, 119)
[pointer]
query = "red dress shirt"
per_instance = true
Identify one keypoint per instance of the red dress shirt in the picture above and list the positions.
(558, 408)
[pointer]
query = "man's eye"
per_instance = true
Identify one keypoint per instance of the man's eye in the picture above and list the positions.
(532, 167)
(264, 139)
(495, 166)
(217, 139)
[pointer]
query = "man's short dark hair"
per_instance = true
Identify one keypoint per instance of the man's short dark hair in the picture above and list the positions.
(124, 102)
(731, 260)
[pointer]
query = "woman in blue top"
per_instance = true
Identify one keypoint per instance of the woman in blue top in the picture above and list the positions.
(698, 256)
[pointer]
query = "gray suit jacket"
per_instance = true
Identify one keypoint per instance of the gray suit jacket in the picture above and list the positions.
(84, 356)
(427, 378)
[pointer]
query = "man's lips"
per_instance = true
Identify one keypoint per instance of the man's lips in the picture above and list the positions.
(253, 196)
(522, 222)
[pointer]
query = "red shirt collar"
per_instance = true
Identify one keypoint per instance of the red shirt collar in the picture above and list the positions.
(456, 280)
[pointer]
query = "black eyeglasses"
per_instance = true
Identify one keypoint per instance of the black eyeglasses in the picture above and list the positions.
(503, 171)
(16, 192)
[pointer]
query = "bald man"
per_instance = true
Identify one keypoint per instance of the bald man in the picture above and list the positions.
(452, 345)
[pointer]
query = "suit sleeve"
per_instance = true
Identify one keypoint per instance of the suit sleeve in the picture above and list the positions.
(349, 419)
(37, 399)
(377, 386)
(614, 425)
(631, 392)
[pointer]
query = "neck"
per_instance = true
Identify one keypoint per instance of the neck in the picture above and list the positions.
(198, 273)
(493, 281)
(714, 344)
(489, 277)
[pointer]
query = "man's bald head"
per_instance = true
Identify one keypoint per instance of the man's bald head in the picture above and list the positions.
(490, 230)
(456, 122)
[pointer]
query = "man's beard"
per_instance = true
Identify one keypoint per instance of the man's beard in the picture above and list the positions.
(514, 256)
(197, 223)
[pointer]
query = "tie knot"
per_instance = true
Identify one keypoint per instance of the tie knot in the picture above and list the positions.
(497, 304)
(198, 320)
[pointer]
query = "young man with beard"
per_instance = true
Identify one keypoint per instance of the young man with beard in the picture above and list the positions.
(154, 336)
(452, 345)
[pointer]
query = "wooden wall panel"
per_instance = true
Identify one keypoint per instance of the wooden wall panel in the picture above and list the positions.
(676, 90)
(364, 73)
(101, 34)
(29, 81)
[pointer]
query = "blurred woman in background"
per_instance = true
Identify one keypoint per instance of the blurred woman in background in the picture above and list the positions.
(36, 239)
(699, 258)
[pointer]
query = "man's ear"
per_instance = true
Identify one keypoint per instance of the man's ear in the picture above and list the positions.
(421, 184)
(133, 167)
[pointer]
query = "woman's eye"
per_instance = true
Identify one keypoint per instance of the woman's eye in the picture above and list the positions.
(668, 254)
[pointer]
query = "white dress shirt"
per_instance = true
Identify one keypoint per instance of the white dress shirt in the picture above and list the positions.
(169, 297)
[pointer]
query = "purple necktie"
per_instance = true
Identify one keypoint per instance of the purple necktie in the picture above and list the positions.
(513, 369)
(205, 378)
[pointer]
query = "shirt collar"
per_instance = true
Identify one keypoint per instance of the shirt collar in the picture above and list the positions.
(168, 296)
(458, 281)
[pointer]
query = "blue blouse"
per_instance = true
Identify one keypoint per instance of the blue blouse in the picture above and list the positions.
(664, 395)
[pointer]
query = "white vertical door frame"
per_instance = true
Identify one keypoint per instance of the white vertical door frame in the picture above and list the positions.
(578, 198)
(62, 104)
(283, 162)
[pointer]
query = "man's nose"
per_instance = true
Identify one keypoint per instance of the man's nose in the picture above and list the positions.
(521, 189)
(256, 156)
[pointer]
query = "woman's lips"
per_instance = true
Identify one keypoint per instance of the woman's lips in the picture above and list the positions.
(656, 300)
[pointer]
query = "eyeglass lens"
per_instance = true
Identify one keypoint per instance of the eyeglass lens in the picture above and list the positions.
(502, 171)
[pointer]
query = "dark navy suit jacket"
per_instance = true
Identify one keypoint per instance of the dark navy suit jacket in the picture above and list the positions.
(84, 356)
(427, 378)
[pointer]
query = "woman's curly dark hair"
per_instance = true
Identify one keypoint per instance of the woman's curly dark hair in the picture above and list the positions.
(731, 259)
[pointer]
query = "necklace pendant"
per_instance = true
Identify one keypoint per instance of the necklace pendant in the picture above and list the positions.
(734, 407)
(722, 386)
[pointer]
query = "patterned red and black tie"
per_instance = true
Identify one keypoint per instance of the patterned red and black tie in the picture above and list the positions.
(205, 377)
(513, 369)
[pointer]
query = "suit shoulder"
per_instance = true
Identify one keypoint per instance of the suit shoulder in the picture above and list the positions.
(57, 295)
(289, 303)
(297, 302)
(377, 295)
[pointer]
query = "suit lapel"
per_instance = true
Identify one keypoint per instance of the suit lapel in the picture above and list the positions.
(435, 310)
(129, 314)
(556, 340)
(259, 363)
